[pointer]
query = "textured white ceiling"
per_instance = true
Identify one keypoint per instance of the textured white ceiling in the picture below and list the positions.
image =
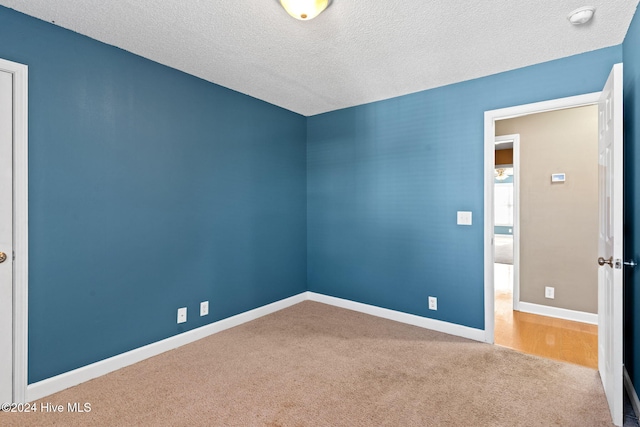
(357, 51)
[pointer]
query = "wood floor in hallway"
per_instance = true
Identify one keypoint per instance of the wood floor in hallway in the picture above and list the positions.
(549, 337)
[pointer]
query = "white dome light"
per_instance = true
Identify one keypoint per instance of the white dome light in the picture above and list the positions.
(581, 15)
(304, 10)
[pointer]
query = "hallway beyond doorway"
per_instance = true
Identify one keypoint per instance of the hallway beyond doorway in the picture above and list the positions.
(549, 337)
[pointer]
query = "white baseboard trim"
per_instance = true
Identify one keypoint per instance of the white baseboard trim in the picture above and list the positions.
(60, 382)
(560, 313)
(63, 381)
(398, 316)
(631, 392)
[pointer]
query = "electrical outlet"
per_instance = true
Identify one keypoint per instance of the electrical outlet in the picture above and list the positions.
(182, 314)
(204, 308)
(433, 303)
(549, 292)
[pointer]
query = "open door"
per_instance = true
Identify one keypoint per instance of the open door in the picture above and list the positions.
(6, 237)
(610, 277)
(13, 231)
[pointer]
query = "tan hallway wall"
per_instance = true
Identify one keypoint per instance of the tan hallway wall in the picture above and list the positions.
(558, 221)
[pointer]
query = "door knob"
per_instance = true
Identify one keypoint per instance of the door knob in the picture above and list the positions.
(602, 261)
(3, 257)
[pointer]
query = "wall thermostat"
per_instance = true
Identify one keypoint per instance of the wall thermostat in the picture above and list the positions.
(557, 177)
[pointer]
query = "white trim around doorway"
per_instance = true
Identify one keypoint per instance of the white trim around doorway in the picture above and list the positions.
(515, 138)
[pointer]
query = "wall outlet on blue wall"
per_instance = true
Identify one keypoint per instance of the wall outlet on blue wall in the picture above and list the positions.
(433, 303)
(182, 314)
(204, 308)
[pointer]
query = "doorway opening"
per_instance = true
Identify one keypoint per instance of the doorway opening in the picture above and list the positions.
(557, 278)
(522, 319)
(609, 225)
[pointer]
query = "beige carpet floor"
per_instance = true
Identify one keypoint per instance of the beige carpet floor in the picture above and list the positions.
(317, 365)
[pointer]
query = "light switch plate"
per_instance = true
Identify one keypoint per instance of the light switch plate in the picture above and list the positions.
(464, 218)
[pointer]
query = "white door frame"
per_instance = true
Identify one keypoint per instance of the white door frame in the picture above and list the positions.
(20, 227)
(490, 118)
(515, 138)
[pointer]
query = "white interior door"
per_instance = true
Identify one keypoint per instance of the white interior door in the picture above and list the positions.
(610, 277)
(6, 237)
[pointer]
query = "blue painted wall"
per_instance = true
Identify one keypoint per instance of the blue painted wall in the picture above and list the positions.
(384, 182)
(149, 190)
(631, 55)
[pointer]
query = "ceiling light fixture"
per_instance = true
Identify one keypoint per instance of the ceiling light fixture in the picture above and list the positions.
(304, 10)
(503, 173)
(581, 15)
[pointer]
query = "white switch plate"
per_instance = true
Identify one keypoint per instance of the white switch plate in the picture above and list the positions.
(182, 314)
(433, 303)
(549, 292)
(464, 218)
(204, 308)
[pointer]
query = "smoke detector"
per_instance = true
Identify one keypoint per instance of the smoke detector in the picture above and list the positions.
(581, 15)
